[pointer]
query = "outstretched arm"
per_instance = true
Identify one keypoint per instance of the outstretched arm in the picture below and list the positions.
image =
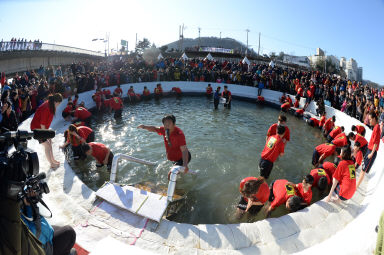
(149, 128)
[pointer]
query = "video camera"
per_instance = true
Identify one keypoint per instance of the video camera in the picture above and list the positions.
(19, 171)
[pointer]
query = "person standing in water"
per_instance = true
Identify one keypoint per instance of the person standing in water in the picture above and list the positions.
(216, 98)
(174, 141)
(228, 96)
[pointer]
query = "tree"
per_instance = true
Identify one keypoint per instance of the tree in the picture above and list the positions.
(142, 45)
(322, 64)
(153, 45)
(163, 48)
(281, 55)
(272, 55)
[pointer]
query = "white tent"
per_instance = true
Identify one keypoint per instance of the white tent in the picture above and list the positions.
(245, 60)
(209, 56)
(184, 56)
(272, 64)
(160, 56)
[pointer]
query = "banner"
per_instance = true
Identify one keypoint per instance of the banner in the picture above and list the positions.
(213, 49)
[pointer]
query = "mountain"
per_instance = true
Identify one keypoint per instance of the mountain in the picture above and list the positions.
(227, 43)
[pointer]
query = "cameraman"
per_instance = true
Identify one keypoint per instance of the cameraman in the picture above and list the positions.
(56, 240)
(15, 238)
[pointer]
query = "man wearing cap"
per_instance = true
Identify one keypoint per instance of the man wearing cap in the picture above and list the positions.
(174, 141)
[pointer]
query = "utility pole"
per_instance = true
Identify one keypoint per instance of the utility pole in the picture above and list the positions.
(136, 42)
(258, 51)
(199, 35)
(182, 36)
(246, 51)
(107, 35)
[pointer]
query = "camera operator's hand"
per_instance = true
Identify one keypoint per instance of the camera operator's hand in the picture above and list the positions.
(30, 194)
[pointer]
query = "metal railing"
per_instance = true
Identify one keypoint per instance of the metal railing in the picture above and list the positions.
(119, 157)
(38, 46)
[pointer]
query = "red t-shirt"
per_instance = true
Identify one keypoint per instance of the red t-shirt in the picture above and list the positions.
(43, 116)
(316, 122)
(306, 196)
(375, 138)
(260, 98)
(273, 148)
(340, 140)
(359, 158)
(329, 168)
(335, 131)
(84, 131)
(326, 148)
(300, 111)
(322, 121)
(360, 129)
(346, 175)
(116, 103)
(282, 192)
(158, 91)
(99, 151)
(273, 131)
(146, 92)
(118, 91)
(328, 125)
(359, 138)
(262, 195)
(317, 173)
(177, 140)
(209, 90)
(106, 92)
(68, 109)
(285, 106)
(82, 113)
(297, 104)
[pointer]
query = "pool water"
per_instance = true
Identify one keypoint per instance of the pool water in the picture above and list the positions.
(225, 145)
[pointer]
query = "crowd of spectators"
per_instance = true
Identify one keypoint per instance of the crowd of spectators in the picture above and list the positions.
(20, 44)
(27, 91)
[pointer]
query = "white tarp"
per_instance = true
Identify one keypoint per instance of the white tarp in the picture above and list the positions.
(184, 56)
(209, 56)
(272, 64)
(160, 56)
(246, 60)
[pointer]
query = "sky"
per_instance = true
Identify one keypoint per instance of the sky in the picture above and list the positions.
(344, 28)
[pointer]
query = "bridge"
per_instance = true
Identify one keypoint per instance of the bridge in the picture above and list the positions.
(18, 57)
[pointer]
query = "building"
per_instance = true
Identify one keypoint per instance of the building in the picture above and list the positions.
(350, 67)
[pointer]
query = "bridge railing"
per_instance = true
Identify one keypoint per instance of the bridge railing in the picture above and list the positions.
(38, 46)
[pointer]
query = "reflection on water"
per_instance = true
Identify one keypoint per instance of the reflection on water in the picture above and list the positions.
(225, 146)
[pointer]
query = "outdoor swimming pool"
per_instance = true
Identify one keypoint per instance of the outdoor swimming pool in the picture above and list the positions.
(225, 147)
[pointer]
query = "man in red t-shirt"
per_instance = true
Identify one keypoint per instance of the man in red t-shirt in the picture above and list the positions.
(100, 152)
(254, 194)
(329, 168)
(344, 178)
(341, 140)
(359, 129)
(282, 121)
(321, 179)
(322, 120)
(328, 125)
(116, 104)
(274, 147)
(146, 93)
(323, 151)
(174, 141)
(228, 96)
(334, 132)
(373, 147)
(304, 190)
(357, 155)
(118, 91)
(67, 111)
(82, 114)
(283, 192)
(313, 122)
(360, 139)
(208, 91)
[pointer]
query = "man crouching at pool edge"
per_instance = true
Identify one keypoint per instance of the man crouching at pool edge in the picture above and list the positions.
(174, 141)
